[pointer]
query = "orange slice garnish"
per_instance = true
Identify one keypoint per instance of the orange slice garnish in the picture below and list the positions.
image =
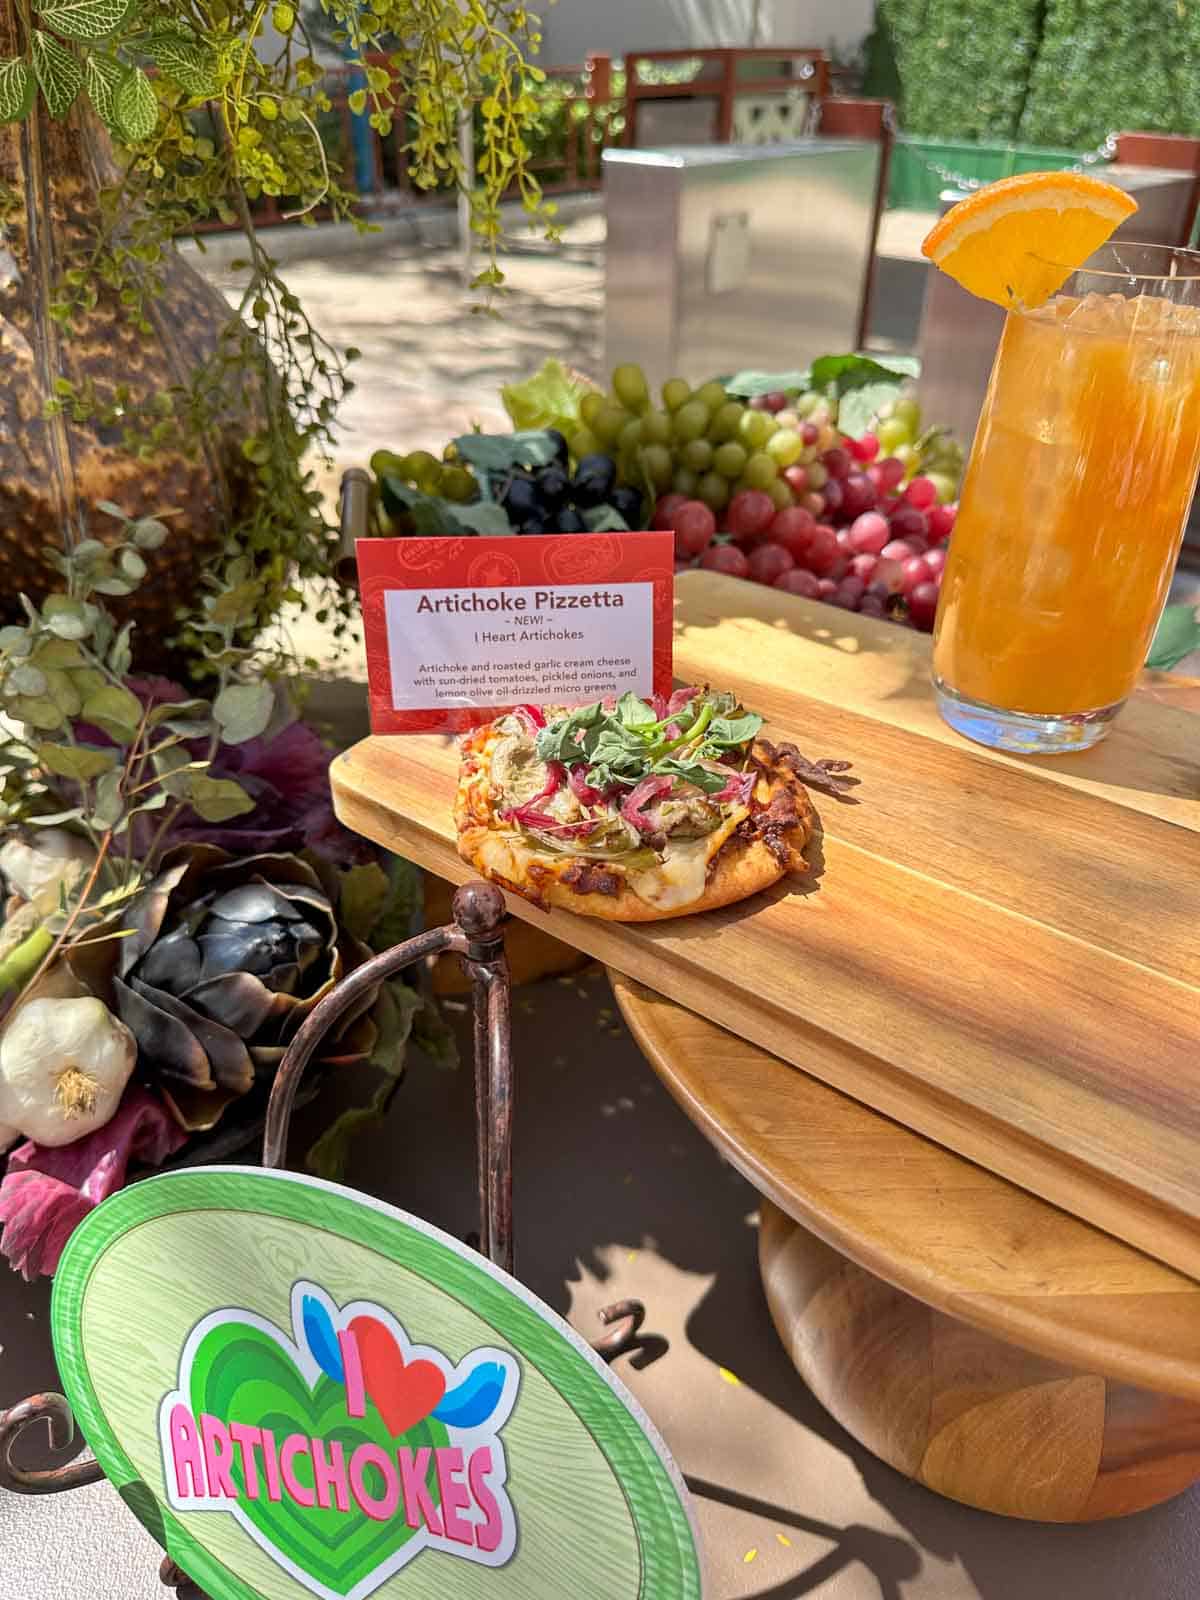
(1018, 240)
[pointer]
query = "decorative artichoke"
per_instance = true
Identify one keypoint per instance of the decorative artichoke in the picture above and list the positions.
(221, 962)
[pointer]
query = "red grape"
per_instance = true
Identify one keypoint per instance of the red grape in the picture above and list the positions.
(848, 592)
(798, 581)
(888, 577)
(822, 550)
(887, 504)
(838, 462)
(922, 493)
(665, 509)
(833, 497)
(810, 433)
(863, 566)
(908, 521)
(935, 560)
(757, 402)
(826, 587)
(898, 550)
(775, 401)
(915, 573)
(814, 502)
(768, 562)
(796, 479)
(922, 606)
(869, 533)
(694, 526)
(858, 495)
(839, 569)
(871, 606)
(890, 472)
(844, 542)
(864, 449)
(941, 521)
(749, 514)
(793, 529)
(725, 558)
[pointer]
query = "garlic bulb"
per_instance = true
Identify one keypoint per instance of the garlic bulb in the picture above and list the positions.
(52, 857)
(64, 1065)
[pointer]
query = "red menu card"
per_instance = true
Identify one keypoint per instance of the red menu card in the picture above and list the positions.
(458, 630)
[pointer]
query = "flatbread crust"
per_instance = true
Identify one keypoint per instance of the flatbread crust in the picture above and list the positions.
(765, 845)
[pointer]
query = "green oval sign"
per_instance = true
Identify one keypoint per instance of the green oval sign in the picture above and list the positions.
(301, 1391)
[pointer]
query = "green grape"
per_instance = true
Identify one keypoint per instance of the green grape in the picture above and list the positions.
(711, 396)
(685, 481)
(583, 442)
(629, 386)
(657, 464)
(907, 410)
(780, 494)
(697, 454)
(676, 392)
(730, 459)
(805, 404)
(631, 436)
(690, 422)
(590, 406)
(421, 468)
(458, 485)
(724, 424)
(773, 424)
(713, 489)
(946, 486)
(656, 428)
(818, 475)
(754, 430)
(785, 447)
(610, 419)
(906, 454)
(761, 470)
(890, 433)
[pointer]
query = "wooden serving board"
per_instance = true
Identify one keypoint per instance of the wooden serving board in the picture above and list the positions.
(1002, 953)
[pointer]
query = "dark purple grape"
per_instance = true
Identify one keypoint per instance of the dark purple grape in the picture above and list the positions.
(521, 499)
(552, 486)
(627, 503)
(593, 481)
(559, 443)
(569, 521)
(536, 525)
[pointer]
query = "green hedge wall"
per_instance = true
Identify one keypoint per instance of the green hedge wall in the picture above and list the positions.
(1046, 72)
(1108, 65)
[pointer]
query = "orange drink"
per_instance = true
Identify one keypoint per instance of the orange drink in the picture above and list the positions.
(1074, 504)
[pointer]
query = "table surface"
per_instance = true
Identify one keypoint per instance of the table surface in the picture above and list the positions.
(940, 1228)
(1000, 952)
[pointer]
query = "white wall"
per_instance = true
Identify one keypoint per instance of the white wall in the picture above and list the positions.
(574, 27)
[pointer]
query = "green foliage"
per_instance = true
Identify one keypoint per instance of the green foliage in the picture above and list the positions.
(1105, 67)
(206, 127)
(64, 680)
(1046, 72)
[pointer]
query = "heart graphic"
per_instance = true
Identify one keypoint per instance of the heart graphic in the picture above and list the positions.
(404, 1393)
(242, 1374)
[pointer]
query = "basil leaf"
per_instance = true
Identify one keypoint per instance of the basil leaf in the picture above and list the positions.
(727, 731)
(558, 741)
(634, 712)
(691, 772)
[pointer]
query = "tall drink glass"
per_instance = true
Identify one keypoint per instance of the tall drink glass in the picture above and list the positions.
(1074, 503)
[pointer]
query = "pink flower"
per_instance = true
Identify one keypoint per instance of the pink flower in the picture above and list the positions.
(45, 1194)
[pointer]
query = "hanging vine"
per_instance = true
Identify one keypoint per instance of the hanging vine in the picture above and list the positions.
(207, 121)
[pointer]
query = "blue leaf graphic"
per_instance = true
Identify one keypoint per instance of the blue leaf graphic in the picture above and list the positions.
(475, 1398)
(322, 1340)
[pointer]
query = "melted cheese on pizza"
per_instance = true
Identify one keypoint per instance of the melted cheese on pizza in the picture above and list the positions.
(676, 880)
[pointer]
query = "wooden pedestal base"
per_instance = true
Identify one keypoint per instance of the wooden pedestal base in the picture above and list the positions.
(961, 1411)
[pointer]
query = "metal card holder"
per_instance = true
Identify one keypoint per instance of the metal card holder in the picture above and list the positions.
(476, 936)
